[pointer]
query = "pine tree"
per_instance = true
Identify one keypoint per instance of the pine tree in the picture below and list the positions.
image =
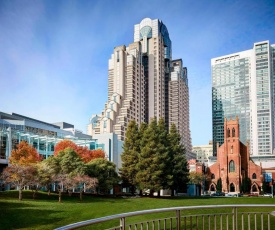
(219, 185)
(149, 166)
(164, 155)
(129, 156)
(246, 185)
(178, 162)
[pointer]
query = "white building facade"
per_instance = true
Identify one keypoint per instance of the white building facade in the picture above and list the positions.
(140, 85)
(203, 152)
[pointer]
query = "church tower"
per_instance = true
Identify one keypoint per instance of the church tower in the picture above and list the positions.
(230, 158)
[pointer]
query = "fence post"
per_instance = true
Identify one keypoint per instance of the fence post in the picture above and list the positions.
(235, 218)
(178, 219)
(122, 223)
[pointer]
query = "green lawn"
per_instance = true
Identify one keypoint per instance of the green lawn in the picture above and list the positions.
(46, 213)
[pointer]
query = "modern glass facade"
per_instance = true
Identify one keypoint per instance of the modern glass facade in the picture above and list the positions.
(230, 96)
(43, 136)
(243, 86)
(263, 98)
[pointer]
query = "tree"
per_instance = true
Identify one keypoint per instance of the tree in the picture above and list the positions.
(129, 156)
(246, 185)
(65, 165)
(164, 153)
(219, 185)
(24, 154)
(85, 154)
(104, 171)
(150, 164)
(61, 180)
(195, 178)
(66, 162)
(45, 175)
(62, 145)
(89, 155)
(19, 176)
(178, 164)
(84, 182)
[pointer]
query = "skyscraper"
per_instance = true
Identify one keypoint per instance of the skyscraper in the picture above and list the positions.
(143, 83)
(243, 85)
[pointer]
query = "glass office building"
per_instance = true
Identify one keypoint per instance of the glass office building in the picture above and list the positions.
(243, 86)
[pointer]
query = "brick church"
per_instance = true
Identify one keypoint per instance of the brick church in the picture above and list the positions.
(233, 163)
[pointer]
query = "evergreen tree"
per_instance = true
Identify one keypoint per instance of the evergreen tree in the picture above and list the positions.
(179, 167)
(164, 155)
(246, 185)
(129, 156)
(141, 130)
(219, 185)
(105, 172)
(150, 165)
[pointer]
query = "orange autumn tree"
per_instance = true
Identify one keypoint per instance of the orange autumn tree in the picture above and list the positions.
(24, 154)
(86, 154)
(89, 155)
(62, 145)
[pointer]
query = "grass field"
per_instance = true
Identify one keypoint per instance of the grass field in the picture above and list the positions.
(46, 213)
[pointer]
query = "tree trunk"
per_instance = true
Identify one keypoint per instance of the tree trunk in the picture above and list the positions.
(172, 191)
(49, 189)
(151, 193)
(20, 193)
(140, 192)
(159, 193)
(80, 195)
(34, 194)
(59, 196)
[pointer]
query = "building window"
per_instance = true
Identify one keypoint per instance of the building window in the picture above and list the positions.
(228, 132)
(233, 132)
(117, 56)
(108, 114)
(254, 176)
(104, 124)
(231, 166)
(212, 176)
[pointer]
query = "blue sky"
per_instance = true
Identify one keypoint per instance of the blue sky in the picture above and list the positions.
(54, 54)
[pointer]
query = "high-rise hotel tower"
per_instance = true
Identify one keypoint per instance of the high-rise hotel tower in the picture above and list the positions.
(243, 85)
(143, 83)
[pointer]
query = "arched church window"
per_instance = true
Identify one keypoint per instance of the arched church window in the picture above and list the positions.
(231, 166)
(233, 132)
(254, 176)
(228, 132)
(212, 176)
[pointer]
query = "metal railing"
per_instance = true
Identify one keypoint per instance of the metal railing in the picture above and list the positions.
(233, 217)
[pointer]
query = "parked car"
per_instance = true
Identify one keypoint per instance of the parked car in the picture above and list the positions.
(230, 195)
(233, 194)
(253, 194)
(218, 194)
(267, 195)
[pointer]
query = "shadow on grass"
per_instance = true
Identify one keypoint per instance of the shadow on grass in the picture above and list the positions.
(20, 215)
